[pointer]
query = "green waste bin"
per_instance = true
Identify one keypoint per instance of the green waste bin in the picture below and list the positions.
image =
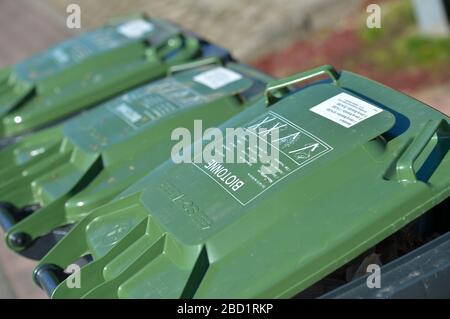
(358, 161)
(84, 70)
(56, 176)
(422, 274)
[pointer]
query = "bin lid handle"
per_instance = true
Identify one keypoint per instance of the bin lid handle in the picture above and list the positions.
(193, 65)
(405, 165)
(277, 89)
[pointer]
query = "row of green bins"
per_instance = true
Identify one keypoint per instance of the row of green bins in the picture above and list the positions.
(53, 178)
(357, 161)
(87, 69)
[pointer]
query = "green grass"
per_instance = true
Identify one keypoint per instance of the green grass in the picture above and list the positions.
(397, 43)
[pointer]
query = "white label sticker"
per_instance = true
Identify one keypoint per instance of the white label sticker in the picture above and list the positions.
(128, 113)
(217, 77)
(346, 110)
(135, 28)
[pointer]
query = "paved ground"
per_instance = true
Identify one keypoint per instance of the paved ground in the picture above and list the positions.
(15, 275)
(26, 27)
(244, 26)
(6, 291)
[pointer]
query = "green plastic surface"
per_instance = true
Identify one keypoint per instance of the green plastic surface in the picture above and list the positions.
(179, 232)
(85, 70)
(85, 162)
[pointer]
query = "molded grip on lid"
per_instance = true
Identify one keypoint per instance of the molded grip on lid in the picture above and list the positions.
(405, 165)
(277, 89)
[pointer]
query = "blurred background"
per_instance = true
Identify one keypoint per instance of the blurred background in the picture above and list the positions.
(410, 52)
